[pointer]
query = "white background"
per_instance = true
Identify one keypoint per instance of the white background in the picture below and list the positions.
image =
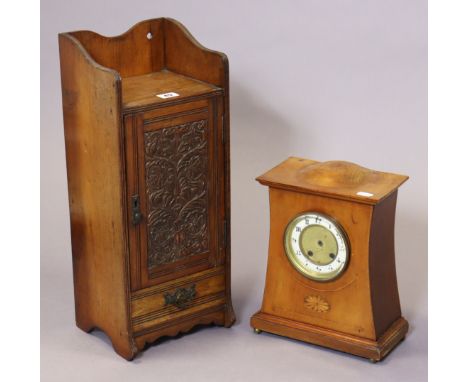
(327, 80)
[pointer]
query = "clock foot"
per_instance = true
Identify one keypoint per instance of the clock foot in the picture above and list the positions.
(257, 331)
(373, 350)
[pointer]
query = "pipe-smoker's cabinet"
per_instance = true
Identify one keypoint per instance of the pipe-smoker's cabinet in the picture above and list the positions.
(146, 117)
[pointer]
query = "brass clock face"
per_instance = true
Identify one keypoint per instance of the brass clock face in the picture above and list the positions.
(316, 246)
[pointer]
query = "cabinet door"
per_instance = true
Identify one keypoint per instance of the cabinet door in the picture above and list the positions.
(175, 179)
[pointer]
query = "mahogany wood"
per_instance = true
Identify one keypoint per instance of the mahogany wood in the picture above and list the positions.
(375, 350)
(336, 179)
(116, 130)
(382, 271)
(359, 312)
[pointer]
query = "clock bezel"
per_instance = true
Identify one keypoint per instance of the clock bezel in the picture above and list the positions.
(311, 274)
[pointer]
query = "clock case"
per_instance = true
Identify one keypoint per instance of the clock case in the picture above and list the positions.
(148, 182)
(358, 312)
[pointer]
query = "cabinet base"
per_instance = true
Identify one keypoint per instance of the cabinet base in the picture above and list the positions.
(363, 347)
(220, 316)
(129, 347)
(123, 345)
(229, 315)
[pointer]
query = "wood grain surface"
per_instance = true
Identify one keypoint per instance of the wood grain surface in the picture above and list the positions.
(115, 128)
(140, 91)
(359, 311)
(337, 179)
(92, 120)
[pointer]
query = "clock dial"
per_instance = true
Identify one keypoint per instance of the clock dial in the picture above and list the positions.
(316, 246)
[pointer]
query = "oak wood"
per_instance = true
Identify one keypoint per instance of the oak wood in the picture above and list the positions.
(363, 302)
(197, 262)
(109, 87)
(212, 315)
(151, 299)
(96, 195)
(131, 53)
(186, 56)
(140, 91)
(141, 327)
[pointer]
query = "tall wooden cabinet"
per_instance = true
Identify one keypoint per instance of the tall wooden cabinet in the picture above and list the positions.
(146, 117)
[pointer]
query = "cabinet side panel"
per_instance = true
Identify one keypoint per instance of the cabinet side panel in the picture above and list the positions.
(186, 56)
(225, 194)
(91, 109)
(384, 288)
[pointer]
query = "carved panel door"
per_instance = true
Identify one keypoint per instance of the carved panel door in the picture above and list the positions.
(174, 182)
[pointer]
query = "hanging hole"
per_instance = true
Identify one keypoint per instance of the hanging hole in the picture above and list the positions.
(149, 36)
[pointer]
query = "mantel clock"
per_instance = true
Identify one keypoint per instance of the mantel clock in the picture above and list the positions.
(331, 277)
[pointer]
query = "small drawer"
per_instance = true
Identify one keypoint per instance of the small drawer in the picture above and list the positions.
(175, 299)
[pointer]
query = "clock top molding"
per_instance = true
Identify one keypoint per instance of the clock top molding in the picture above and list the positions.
(335, 179)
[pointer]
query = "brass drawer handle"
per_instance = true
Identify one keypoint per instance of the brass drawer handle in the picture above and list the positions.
(180, 297)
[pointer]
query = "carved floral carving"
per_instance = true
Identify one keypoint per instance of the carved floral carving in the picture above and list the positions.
(317, 304)
(176, 164)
